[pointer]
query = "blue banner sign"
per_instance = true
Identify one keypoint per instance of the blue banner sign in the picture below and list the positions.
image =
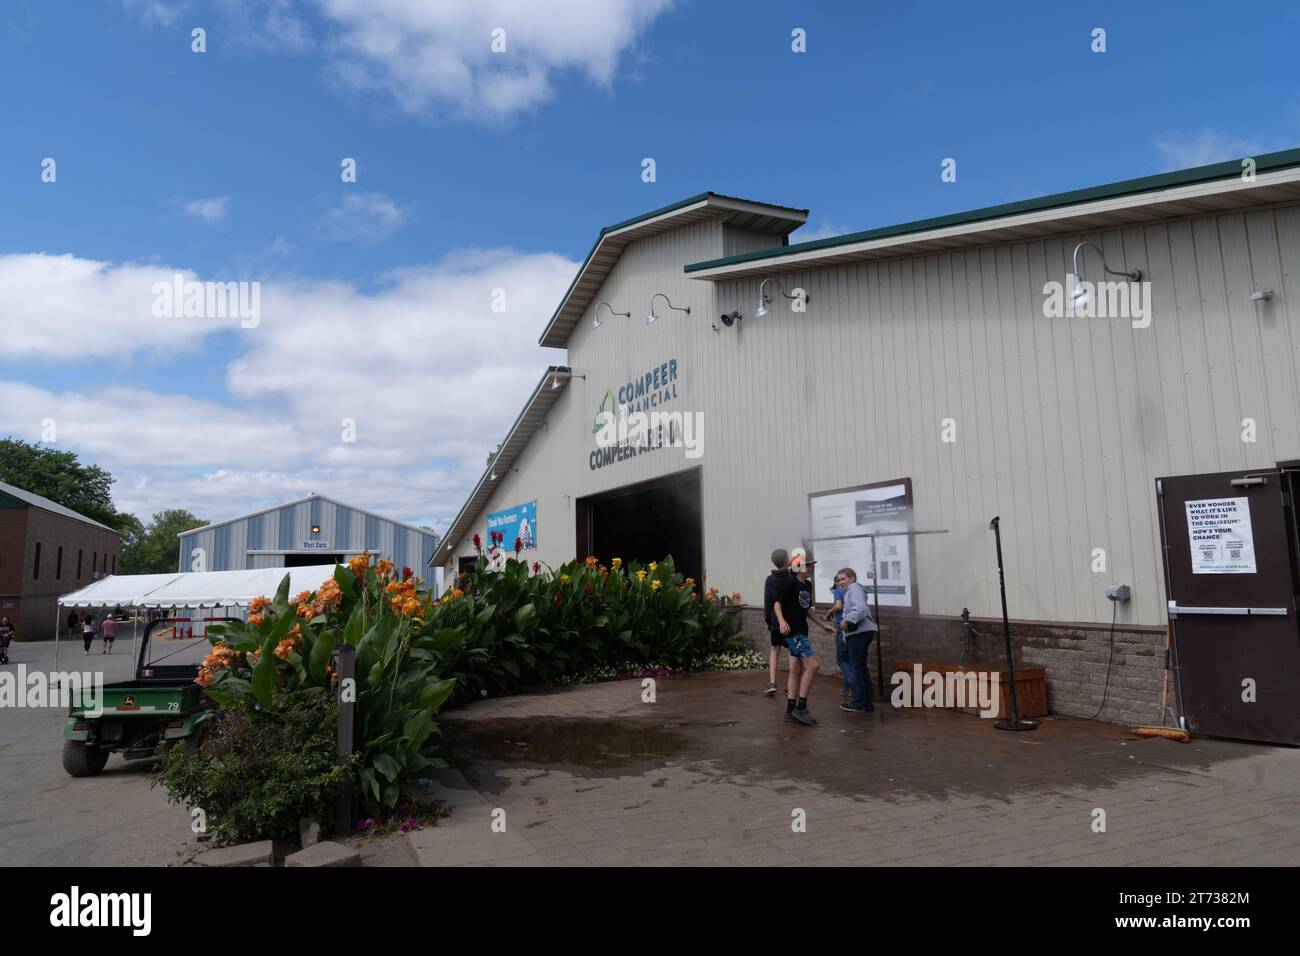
(517, 522)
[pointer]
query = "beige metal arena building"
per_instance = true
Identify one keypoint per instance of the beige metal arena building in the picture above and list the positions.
(1128, 407)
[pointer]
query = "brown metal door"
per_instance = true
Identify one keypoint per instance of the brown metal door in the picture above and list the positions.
(1231, 584)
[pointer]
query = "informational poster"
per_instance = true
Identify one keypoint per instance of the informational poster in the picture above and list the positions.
(1221, 537)
(841, 523)
(519, 522)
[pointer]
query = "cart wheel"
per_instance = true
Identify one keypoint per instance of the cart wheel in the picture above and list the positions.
(82, 760)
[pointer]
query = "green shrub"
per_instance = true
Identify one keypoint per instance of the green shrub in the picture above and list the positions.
(258, 771)
(515, 626)
(524, 627)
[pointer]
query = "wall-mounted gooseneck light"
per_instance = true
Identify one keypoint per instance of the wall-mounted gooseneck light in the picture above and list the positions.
(1080, 294)
(660, 295)
(764, 300)
(555, 378)
(595, 317)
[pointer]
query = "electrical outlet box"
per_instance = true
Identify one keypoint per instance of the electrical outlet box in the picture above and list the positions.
(1117, 592)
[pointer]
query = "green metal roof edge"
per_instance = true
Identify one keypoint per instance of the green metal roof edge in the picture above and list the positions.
(606, 230)
(1183, 177)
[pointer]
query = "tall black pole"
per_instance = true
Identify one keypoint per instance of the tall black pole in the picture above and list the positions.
(1015, 723)
(875, 597)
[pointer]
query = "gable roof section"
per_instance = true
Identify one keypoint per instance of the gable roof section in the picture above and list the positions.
(609, 246)
(45, 504)
(530, 419)
(290, 504)
(1202, 190)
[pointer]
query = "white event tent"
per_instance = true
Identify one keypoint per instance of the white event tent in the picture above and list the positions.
(197, 589)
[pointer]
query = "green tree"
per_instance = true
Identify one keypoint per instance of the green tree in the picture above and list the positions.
(58, 475)
(154, 550)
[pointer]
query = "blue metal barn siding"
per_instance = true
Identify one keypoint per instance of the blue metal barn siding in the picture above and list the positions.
(347, 530)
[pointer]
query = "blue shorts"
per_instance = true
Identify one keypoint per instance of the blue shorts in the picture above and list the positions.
(799, 646)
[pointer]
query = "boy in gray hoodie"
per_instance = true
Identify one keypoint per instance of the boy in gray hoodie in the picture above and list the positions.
(859, 629)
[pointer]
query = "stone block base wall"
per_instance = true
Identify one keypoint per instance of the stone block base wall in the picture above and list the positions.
(1075, 657)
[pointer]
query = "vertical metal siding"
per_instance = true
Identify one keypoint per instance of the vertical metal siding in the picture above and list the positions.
(1062, 424)
(348, 531)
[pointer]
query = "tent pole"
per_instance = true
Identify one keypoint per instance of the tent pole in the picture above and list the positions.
(58, 613)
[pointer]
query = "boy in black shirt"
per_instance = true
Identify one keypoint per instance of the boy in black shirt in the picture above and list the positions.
(772, 588)
(791, 612)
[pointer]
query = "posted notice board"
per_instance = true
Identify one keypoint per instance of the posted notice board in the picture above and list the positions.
(840, 522)
(1221, 537)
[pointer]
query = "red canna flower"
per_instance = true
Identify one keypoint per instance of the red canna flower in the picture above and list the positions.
(478, 544)
(519, 546)
(406, 573)
(537, 567)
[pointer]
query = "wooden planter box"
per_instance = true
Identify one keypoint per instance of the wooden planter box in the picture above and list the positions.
(1031, 684)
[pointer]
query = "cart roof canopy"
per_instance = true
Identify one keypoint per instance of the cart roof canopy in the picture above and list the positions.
(195, 588)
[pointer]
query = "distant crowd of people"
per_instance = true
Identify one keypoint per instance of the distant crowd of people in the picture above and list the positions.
(788, 610)
(86, 624)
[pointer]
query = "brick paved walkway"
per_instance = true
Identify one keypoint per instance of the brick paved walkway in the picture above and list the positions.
(711, 774)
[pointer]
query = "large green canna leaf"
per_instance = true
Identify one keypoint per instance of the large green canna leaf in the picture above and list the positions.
(321, 651)
(265, 678)
(388, 765)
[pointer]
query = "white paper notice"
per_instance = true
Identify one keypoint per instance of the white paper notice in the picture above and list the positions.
(1222, 542)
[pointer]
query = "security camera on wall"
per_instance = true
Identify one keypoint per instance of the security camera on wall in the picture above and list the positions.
(728, 319)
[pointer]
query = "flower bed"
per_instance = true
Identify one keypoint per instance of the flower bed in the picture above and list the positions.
(508, 626)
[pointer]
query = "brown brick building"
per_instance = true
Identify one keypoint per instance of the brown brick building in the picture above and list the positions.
(46, 550)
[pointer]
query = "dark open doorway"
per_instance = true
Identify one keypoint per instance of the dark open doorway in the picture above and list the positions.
(646, 522)
(311, 559)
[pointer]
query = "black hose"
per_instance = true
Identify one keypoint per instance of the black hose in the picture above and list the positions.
(1114, 612)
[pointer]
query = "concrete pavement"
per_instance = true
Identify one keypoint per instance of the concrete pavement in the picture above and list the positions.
(48, 818)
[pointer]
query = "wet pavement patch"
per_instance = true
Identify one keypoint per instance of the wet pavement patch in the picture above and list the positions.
(577, 742)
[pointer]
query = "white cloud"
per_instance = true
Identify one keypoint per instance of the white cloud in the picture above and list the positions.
(1206, 147)
(363, 217)
(64, 307)
(430, 374)
(159, 13)
(209, 210)
(438, 58)
(267, 25)
(825, 230)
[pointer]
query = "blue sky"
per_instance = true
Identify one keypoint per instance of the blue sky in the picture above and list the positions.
(478, 169)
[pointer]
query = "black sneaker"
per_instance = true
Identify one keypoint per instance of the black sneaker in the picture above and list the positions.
(853, 710)
(771, 690)
(803, 717)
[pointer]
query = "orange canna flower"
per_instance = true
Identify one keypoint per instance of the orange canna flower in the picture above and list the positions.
(384, 568)
(259, 604)
(256, 619)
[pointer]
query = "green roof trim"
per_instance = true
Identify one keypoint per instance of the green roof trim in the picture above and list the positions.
(1268, 162)
(606, 230)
